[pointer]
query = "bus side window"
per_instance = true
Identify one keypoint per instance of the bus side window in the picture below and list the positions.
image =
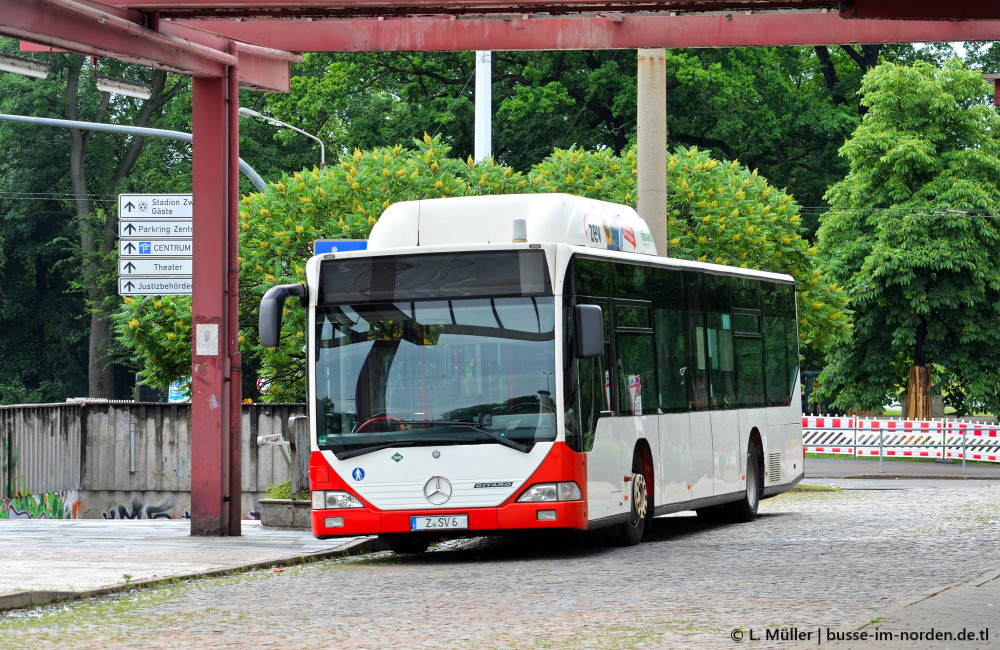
(697, 366)
(635, 374)
(720, 343)
(776, 326)
(671, 363)
(594, 389)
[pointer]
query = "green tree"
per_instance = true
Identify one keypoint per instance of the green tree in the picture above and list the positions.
(77, 172)
(911, 238)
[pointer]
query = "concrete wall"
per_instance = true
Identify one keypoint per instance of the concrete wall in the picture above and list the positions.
(121, 459)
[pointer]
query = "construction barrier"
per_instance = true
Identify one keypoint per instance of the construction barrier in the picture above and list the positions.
(865, 438)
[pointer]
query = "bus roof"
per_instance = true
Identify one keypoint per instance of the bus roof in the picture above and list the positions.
(548, 218)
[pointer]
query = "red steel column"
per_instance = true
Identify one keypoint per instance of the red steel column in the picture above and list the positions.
(210, 363)
(233, 307)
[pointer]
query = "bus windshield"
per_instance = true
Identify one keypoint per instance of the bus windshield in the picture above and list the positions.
(434, 372)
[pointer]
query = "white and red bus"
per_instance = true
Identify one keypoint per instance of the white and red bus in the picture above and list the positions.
(507, 363)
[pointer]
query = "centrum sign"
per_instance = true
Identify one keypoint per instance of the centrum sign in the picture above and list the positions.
(141, 249)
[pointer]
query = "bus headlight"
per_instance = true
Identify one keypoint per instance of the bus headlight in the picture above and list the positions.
(322, 500)
(565, 491)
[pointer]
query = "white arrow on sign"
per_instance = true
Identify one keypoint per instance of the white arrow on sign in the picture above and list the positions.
(145, 228)
(155, 206)
(154, 286)
(156, 267)
(140, 249)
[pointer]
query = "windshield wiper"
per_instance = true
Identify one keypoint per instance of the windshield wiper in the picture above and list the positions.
(351, 453)
(507, 442)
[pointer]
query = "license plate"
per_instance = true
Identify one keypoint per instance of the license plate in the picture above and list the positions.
(439, 522)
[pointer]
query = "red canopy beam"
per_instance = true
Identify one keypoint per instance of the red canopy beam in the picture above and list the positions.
(332, 8)
(102, 30)
(921, 9)
(588, 32)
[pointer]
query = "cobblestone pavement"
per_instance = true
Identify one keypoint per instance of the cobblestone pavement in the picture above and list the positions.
(811, 560)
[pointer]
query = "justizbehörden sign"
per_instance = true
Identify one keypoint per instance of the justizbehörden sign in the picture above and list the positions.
(154, 286)
(145, 228)
(155, 206)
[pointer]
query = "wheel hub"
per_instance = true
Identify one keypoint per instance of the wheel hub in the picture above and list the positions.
(639, 504)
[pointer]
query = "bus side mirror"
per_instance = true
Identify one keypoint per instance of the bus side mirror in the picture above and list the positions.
(589, 331)
(271, 306)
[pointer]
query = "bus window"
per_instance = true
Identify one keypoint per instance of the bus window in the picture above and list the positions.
(670, 359)
(720, 343)
(776, 361)
(697, 365)
(593, 389)
(750, 370)
(635, 374)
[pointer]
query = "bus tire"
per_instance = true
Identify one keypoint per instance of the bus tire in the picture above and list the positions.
(630, 533)
(745, 510)
(404, 543)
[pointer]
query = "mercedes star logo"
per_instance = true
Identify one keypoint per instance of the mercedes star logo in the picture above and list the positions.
(437, 490)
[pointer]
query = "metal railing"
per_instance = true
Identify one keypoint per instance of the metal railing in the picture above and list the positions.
(888, 438)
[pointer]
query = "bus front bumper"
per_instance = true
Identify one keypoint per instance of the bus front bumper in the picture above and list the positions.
(452, 522)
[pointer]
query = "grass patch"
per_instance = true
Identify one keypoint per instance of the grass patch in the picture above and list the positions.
(815, 488)
(284, 491)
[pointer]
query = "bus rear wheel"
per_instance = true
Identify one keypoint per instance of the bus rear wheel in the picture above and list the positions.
(630, 533)
(406, 543)
(745, 509)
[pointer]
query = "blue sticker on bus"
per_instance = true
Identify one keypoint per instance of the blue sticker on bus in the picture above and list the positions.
(358, 474)
(321, 246)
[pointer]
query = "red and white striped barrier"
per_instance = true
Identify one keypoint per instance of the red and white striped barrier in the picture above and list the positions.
(865, 438)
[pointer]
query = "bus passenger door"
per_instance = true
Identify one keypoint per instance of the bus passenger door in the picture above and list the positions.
(700, 417)
(604, 473)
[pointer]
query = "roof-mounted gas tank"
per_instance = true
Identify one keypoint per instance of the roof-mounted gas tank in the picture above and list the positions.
(547, 218)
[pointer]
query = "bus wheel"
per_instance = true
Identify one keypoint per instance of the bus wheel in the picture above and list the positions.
(630, 533)
(406, 543)
(745, 509)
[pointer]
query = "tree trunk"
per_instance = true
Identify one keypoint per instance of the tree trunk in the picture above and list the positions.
(100, 371)
(93, 239)
(918, 399)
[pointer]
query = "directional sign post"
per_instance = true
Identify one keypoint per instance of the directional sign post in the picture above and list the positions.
(148, 228)
(145, 248)
(155, 267)
(155, 247)
(154, 287)
(155, 206)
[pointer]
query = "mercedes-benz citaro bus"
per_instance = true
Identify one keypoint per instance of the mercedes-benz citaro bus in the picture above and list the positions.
(508, 363)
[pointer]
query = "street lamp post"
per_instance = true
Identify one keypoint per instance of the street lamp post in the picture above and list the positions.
(246, 112)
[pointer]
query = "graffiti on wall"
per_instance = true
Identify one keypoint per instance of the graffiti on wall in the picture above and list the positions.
(127, 504)
(139, 509)
(51, 505)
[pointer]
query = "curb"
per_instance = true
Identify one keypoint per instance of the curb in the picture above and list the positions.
(26, 599)
(894, 609)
